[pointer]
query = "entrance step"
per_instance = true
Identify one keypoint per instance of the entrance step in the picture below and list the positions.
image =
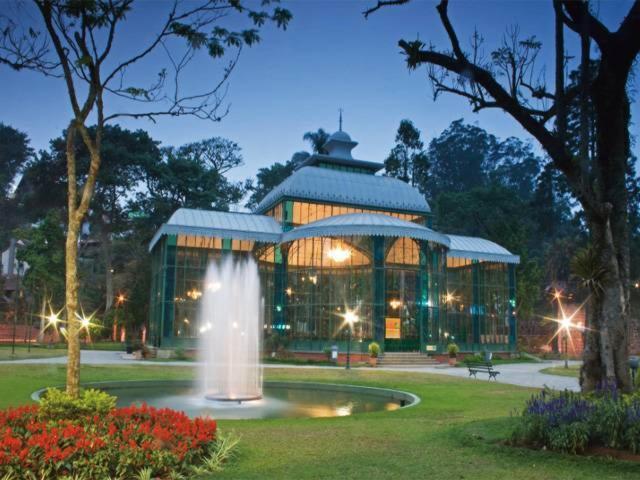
(397, 359)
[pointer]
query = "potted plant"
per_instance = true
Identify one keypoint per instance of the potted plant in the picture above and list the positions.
(374, 351)
(452, 350)
(487, 355)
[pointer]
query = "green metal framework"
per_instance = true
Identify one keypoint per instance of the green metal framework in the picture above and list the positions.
(437, 300)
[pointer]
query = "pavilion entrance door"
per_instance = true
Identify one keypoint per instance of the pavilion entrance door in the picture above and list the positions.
(402, 329)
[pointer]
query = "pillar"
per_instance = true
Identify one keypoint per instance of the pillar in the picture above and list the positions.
(378, 290)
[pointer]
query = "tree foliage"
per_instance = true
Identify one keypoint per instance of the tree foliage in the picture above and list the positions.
(407, 160)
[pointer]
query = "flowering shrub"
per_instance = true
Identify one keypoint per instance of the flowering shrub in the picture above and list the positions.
(163, 443)
(571, 422)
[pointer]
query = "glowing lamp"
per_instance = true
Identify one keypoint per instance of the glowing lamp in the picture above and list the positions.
(338, 254)
(351, 317)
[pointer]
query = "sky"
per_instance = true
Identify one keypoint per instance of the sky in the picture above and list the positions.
(295, 81)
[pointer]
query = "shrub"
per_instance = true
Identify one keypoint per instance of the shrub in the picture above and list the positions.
(136, 441)
(571, 422)
(475, 358)
(374, 349)
(57, 404)
(453, 350)
(327, 353)
(180, 354)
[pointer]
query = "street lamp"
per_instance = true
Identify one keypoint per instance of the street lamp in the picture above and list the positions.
(565, 324)
(350, 317)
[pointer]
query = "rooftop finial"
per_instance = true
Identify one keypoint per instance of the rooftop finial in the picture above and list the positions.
(340, 123)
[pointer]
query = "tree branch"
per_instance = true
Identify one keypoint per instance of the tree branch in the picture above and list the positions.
(383, 3)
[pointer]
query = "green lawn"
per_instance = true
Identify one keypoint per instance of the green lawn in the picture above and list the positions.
(572, 371)
(456, 432)
(22, 352)
(55, 350)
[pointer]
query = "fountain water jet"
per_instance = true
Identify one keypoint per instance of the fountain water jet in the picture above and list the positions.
(231, 331)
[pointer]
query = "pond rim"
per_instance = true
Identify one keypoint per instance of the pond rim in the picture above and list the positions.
(387, 393)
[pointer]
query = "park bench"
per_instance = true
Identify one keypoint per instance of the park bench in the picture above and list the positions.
(482, 367)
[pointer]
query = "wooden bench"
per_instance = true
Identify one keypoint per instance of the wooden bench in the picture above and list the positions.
(482, 367)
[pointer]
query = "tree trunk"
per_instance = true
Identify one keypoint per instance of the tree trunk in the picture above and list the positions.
(71, 276)
(606, 349)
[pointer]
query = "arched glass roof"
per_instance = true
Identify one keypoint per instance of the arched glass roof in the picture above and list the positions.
(371, 224)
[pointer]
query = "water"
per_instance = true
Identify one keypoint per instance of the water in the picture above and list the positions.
(277, 402)
(230, 323)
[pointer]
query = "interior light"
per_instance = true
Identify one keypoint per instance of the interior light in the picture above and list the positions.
(338, 254)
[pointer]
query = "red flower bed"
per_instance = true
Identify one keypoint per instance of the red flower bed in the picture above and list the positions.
(118, 444)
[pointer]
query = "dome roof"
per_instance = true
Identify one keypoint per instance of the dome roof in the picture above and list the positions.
(340, 136)
(347, 188)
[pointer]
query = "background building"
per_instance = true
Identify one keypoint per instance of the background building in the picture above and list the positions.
(336, 236)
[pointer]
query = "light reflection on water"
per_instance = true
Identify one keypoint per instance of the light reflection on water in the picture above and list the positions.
(278, 402)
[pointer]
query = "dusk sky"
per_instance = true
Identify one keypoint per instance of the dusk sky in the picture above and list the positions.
(294, 81)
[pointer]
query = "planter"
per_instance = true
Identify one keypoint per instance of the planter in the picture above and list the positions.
(129, 349)
(373, 361)
(453, 361)
(488, 356)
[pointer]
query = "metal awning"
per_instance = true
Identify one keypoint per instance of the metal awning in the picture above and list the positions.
(206, 223)
(475, 248)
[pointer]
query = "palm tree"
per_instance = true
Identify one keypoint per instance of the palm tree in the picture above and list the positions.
(317, 140)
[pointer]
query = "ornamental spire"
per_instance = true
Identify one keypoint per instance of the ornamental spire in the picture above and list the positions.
(340, 121)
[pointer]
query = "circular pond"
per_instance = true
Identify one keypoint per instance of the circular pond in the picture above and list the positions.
(280, 399)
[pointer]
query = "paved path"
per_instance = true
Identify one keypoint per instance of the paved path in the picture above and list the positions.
(522, 374)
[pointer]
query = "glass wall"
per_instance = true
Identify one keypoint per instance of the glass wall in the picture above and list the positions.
(293, 213)
(325, 277)
(477, 303)
(407, 294)
(179, 267)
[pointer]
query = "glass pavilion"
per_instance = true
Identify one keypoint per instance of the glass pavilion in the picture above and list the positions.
(332, 237)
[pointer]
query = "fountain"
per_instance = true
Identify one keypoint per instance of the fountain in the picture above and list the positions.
(230, 382)
(230, 321)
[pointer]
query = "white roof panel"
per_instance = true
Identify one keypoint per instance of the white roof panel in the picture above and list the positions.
(241, 226)
(336, 186)
(479, 249)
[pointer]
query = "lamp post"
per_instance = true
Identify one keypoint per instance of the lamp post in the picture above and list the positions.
(350, 317)
(16, 306)
(565, 339)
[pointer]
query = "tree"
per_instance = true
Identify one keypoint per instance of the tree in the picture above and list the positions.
(43, 251)
(508, 80)
(317, 140)
(219, 154)
(407, 160)
(74, 41)
(180, 180)
(270, 177)
(460, 158)
(15, 153)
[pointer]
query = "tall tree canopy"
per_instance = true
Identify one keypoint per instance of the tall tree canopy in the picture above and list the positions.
(407, 160)
(507, 79)
(15, 153)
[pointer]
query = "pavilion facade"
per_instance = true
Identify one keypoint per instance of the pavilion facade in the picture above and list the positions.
(336, 237)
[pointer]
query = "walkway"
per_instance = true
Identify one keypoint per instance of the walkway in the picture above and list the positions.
(521, 374)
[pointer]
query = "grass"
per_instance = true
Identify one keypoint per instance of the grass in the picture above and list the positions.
(54, 350)
(456, 432)
(572, 371)
(22, 352)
